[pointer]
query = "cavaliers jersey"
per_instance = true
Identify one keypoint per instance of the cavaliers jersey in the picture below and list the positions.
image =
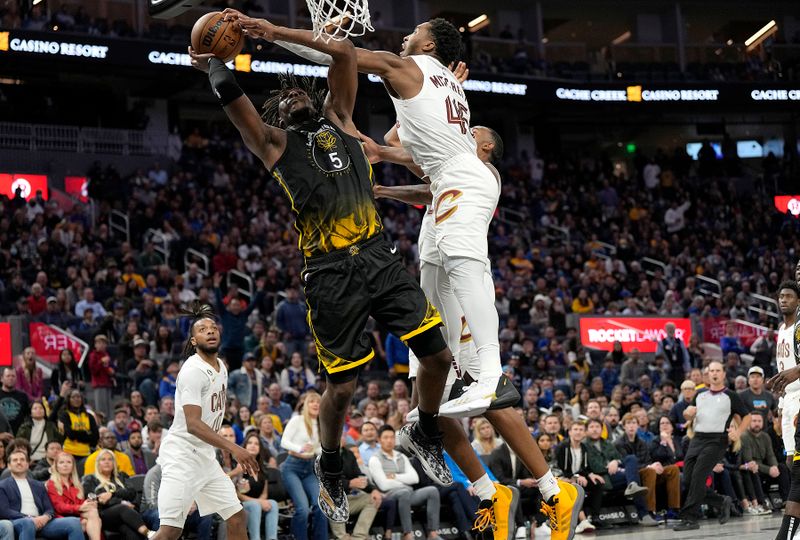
(197, 384)
(786, 353)
(328, 180)
(434, 124)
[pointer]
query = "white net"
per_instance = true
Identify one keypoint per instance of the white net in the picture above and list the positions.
(339, 19)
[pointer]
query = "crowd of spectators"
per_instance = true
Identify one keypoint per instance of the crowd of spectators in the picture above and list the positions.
(622, 413)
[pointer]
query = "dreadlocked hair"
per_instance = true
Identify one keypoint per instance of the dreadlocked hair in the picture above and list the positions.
(196, 311)
(289, 82)
(447, 39)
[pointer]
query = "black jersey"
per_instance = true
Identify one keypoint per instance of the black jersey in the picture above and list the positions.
(328, 180)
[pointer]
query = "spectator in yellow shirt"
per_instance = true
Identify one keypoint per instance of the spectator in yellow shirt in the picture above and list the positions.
(108, 441)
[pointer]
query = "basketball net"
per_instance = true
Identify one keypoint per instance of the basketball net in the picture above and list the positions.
(339, 19)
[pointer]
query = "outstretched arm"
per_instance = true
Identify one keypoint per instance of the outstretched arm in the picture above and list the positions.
(266, 142)
(402, 74)
(342, 75)
(393, 154)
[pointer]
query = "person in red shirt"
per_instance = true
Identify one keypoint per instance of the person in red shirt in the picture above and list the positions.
(66, 493)
(101, 369)
(37, 303)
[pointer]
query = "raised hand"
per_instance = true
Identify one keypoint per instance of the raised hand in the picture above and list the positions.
(200, 61)
(460, 71)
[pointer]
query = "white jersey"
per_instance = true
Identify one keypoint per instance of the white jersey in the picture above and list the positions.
(198, 384)
(785, 354)
(434, 124)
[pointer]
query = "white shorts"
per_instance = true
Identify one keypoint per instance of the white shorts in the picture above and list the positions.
(791, 408)
(465, 195)
(194, 478)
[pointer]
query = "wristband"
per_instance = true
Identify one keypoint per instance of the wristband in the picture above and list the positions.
(223, 82)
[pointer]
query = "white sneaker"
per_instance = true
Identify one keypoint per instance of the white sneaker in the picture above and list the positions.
(150, 534)
(584, 526)
(520, 534)
(542, 531)
(473, 402)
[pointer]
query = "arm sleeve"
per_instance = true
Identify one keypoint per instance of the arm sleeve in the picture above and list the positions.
(290, 434)
(190, 387)
(410, 477)
(379, 476)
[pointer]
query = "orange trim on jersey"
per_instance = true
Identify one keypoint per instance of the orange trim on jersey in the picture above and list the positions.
(452, 194)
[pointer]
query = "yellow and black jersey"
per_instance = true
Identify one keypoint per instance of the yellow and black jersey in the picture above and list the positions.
(328, 180)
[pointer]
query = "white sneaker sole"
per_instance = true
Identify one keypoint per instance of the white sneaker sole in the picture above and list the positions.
(463, 408)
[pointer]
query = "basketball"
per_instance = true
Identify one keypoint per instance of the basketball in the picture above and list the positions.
(213, 35)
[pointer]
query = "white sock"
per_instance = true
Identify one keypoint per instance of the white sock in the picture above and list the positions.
(548, 486)
(484, 487)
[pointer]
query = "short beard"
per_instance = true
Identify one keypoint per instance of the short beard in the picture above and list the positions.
(207, 349)
(301, 115)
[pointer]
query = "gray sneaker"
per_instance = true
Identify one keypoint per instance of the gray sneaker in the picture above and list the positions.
(649, 521)
(634, 489)
(429, 451)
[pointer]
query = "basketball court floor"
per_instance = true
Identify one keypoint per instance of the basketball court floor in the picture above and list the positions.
(745, 528)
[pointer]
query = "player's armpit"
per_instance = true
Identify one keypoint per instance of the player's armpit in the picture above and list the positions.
(265, 141)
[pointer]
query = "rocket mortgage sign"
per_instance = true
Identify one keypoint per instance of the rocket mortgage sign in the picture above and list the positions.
(642, 333)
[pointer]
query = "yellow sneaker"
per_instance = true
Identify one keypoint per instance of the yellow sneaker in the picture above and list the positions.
(562, 510)
(492, 522)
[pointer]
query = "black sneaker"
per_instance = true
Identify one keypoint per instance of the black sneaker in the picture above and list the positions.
(686, 525)
(507, 394)
(429, 451)
(484, 526)
(332, 496)
(725, 510)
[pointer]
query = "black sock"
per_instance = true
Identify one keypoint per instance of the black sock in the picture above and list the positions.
(331, 460)
(788, 528)
(427, 424)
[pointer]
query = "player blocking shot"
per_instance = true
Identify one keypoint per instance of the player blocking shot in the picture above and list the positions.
(190, 471)
(352, 272)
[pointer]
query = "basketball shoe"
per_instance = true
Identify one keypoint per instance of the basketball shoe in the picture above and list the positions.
(495, 519)
(562, 510)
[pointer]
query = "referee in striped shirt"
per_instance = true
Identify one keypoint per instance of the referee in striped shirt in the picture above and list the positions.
(715, 407)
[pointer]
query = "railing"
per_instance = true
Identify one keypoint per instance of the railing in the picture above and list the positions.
(160, 242)
(604, 250)
(119, 222)
(708, 286)
(649, 265)
(243, 281)
(73, 139)
(191, 255)
(764, 304)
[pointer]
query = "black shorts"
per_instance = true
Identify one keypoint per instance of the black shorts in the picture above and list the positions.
(344, 288)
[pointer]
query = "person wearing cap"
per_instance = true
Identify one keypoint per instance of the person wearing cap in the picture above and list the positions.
(247, 383)
(756, 397)
(142, 371)
(53, 314)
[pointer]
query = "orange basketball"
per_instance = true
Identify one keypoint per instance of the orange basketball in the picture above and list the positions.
(213, 35)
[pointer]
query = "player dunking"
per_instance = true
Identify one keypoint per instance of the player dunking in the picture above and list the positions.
(351, 271)
(190, 471)
(434, 127)
(786, 385)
